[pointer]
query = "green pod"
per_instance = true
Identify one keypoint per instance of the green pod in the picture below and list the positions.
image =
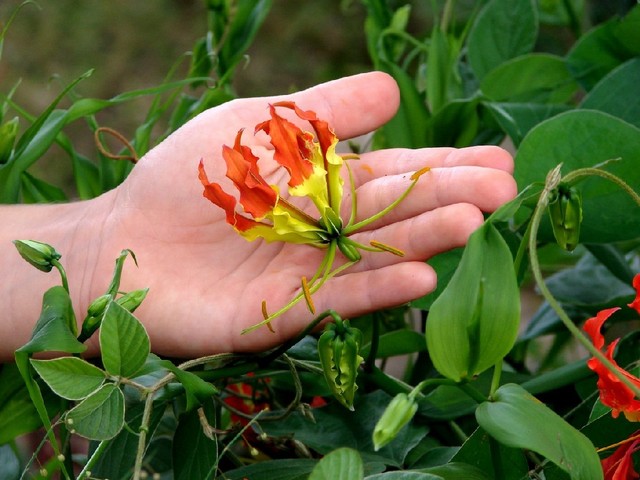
(398, 413)
(474, 322)
(8, 132)
(565, 212)
(332, 222)
(338, 349)
(348, 249)
(38, 254)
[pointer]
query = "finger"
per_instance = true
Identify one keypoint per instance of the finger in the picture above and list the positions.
(420, 237)
(398, 161)
(486, 188)
(352, 105)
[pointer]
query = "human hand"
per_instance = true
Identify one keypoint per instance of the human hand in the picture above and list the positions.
(206, 283)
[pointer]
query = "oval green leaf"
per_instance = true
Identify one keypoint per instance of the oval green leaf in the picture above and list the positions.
(532, 78)
(100, 416)
(124, 342)
(474, 323)
(341, 464)
(503, 29)
(70, 377)
(517, 419)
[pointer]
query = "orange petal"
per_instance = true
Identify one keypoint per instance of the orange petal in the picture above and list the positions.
(593, 325)
(256, 195)
(291, 144)
(214, 193)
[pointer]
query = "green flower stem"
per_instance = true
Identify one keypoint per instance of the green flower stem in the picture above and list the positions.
(553, 179)
(86, 470)
(63, 273)
(495, 380)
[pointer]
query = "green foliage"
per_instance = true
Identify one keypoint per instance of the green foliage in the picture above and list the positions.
(462, 404)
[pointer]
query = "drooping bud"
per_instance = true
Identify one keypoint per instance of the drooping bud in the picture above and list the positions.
(565, 211)
(398, 413)
(38, 254)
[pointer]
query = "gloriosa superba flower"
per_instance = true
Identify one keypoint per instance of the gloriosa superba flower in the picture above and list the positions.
(314, 169)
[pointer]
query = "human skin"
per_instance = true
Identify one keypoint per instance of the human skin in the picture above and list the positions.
(206, 283)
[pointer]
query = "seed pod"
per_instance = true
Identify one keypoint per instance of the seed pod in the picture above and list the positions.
(565, 211)
(398, 413)
(38, 254)
(338, 348)
(348, 249)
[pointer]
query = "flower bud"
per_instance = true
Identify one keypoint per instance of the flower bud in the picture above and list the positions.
(132, 300)
(8, 131)
(398, 413)
(565, 211)
(38, 254)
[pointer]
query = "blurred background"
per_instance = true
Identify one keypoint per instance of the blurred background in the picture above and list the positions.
(133, 44)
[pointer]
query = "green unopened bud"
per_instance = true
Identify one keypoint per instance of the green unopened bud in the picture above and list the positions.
(565, 211)
(399, 412)
(8, 132)
(332, 221)
(132, 300)
(38, 254)
(95, 312)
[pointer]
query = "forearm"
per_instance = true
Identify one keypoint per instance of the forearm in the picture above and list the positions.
(74, 230)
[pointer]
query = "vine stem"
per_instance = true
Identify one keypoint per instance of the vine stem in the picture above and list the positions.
(86, 470)
(553, 180)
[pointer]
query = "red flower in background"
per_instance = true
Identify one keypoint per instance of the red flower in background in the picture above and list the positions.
(613, 392)
(619, 466)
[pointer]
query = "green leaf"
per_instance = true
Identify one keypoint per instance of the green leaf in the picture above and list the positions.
(466, 337)
(55, 329)
(604, 48)
(534, 78)
(516, 119)
(397, 342)
(194, 453)
(458, 471)
(517, 419)
(70, 377)
(503, 30)
(35, 190)
(18, 415)
(100, 416)
(124, 342)
(117, 460)
(197, 390)
(341, 464)
(614, 94)
(570, 139)
(404, 475)
(287, 469)
(445, 265)
(456, 124)
(477, 451)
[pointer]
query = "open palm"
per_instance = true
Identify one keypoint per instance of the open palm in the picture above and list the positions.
(207, 283)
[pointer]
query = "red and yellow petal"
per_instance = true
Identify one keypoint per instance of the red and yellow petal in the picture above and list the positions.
(293, 147)
(257, 197)
(613, 392)
(636, 284)
(619, 466)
